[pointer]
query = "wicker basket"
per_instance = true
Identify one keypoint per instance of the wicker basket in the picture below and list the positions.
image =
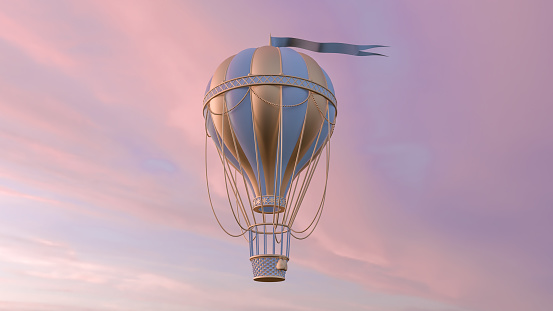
(265, 268)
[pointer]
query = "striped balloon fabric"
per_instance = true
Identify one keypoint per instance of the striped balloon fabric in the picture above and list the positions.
(258, 89)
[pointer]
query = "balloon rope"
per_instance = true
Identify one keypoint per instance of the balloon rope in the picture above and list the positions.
(281, 125)
(310, 171)
(209, 195)
(275, 171)
(231, 109)
(281, 144)
(309, 176)
(223, 159)
(233, 134)
(238, 205)
(307, 180)
(205, 124)
(278, 168)
(290, 199)
(323, 199)
(322, 114)
(257, 158)
(234, 187)
(233, 183)
(277, 164)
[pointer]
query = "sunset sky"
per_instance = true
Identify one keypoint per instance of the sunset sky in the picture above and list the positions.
(440, 195)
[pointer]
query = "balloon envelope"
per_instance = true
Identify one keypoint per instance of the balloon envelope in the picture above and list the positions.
(270, 131)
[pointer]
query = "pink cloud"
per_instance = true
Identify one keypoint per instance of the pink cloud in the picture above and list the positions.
(22, 34)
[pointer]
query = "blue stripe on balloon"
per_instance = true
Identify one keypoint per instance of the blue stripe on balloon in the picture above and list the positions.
(241, 116)
(238, 67)
(240, 64)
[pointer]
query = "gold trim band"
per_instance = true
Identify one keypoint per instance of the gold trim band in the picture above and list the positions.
(270, 255)
(270, 80)
(268, 201)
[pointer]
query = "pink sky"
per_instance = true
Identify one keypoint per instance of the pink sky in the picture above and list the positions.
(439, 196)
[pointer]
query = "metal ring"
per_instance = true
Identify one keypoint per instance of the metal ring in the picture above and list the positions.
(270, 80)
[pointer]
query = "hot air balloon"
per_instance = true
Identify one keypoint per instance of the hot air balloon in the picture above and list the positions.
(270, 111)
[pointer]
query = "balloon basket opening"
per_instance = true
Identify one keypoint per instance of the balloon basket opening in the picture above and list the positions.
(269, 204)
(265, 268)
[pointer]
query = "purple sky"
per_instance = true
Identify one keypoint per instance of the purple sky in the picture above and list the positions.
(441, 184)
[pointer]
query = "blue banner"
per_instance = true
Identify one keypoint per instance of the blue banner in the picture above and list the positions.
(328, 47)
